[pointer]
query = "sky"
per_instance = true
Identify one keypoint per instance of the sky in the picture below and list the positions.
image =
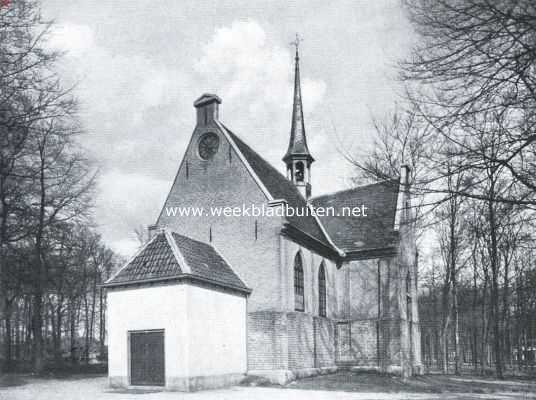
(139, 65)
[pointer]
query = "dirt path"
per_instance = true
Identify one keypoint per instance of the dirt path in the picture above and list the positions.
(91, 388)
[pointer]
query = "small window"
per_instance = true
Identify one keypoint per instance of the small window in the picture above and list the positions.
(299, 171)
(299, 298)
(322, 291)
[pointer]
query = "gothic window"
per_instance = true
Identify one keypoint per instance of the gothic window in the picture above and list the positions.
(299, 171)
(299, 298)
(322, 291)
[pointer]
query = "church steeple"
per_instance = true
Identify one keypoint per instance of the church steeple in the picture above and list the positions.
(298, 158)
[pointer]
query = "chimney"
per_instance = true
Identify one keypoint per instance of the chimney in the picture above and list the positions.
(207, 109)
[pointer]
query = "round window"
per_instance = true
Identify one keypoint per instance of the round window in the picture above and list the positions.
(208, 145)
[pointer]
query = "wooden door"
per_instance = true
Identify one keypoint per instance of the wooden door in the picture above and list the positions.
(147, 361)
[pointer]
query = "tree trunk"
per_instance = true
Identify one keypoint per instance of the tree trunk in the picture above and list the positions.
(57, 330)
(72, 326)
(102, 321)
(455, 316)
(38, 273)
(86, 337)
(37, 330)
(445, 324)
(484, 343)
(8, 339)
(494, 262)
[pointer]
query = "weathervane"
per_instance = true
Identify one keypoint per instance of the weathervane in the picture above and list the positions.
(296, 43)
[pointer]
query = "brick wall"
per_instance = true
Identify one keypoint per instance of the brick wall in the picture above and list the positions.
(324, 335)
(294, 340)
(364, 342)
(267, 340)
(301, 341)
(390, 344)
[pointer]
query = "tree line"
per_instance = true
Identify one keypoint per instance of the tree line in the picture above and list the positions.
(51, 258)
(466, 127)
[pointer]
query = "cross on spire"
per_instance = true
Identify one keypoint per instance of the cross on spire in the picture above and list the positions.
(296, 43)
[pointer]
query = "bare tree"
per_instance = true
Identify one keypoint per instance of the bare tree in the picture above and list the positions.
(475, 58)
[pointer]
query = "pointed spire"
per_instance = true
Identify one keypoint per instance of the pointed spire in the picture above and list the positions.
(298, 142)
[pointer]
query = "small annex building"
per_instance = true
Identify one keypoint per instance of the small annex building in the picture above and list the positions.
(214, 297)
(176, 317)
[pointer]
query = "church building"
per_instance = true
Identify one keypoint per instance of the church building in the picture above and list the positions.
(214, 297)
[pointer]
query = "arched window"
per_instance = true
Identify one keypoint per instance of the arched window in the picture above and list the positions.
(321, 291)
(299, 298)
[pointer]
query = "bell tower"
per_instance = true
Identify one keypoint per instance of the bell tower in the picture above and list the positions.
(297, 158)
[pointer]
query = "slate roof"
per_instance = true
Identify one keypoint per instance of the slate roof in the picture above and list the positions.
(171, 256)
(281, 188)
(376, 230)
(298, 141)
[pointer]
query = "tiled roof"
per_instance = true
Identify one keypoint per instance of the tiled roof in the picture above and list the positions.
(376, 230)
(170, 255)
(156, 260)
(205, 261)
(281, 188)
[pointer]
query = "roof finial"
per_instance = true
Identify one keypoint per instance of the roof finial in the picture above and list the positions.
(296, 43)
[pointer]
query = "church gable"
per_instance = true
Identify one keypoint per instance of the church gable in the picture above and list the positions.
(221, 170)
(213, 175)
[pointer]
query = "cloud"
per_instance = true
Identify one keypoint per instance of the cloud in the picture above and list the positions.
(73, 38)
(130, 110)
(250, 70)
(129, 103)
(125, 202)
(255, 78)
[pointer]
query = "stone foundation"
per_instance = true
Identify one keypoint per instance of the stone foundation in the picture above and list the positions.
(282, 377)
(195, 383)
(183, 384)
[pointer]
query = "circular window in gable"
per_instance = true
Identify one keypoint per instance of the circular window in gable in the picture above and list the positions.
(208, 145)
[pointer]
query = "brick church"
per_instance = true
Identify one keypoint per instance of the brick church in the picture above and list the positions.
(213, 298)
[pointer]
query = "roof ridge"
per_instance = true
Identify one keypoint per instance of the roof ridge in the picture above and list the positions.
(127, 263)
(231, 136)
(258, 155)
(393, 180)
(189, 238)
(198, 241)
(183, 265)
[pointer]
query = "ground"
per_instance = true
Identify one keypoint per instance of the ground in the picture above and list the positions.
(343, 385)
